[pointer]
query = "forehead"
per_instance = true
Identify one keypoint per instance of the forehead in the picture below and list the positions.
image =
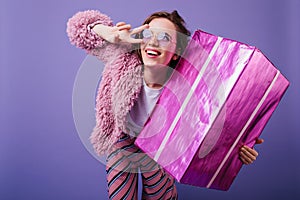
(162, 24)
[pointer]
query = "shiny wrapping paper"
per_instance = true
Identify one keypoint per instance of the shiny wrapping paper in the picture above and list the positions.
(220, 96)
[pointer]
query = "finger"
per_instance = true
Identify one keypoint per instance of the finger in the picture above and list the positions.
(259, 141)
(136, 31)
(246, 160)
(243, 160)
(135, 41)
(124, 27)
(120, 24)
(249, 151)
(139, 29)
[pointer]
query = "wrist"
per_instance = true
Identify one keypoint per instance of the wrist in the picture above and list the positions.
(100, 30)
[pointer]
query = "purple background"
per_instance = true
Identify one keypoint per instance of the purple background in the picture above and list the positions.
(41, 155)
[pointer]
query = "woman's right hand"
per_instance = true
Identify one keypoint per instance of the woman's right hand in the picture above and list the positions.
(120, 33)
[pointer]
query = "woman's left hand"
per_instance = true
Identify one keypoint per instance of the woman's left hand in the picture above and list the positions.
(120, 33)
(249, 155)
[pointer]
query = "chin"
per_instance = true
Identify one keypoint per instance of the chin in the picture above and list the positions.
(150, 62)
(154, 63)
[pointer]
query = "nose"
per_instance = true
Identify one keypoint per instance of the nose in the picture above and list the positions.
(153, 41)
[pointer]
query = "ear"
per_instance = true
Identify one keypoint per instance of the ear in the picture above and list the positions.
(175, 56)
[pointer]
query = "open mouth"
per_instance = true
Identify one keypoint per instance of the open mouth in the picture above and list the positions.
(151, 52)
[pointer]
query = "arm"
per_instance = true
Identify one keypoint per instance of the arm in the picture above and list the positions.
(81, 34)
(94, 32)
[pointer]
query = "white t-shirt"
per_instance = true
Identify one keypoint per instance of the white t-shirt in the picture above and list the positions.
(142, 109)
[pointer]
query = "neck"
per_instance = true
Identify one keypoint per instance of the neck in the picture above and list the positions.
(155, 77)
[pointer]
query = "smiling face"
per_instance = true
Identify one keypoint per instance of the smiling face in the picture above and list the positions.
(159, 44)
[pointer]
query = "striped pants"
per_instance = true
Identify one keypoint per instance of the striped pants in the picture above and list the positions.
(125, 162)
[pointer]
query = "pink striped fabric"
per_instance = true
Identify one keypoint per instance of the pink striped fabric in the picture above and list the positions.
(125, 162)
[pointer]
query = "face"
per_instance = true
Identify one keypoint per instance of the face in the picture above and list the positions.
(159, 43)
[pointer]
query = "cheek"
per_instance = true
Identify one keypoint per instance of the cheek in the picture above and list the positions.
(142, 52)
(169, 55)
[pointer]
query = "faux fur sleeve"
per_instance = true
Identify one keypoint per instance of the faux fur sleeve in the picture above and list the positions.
(79, 32)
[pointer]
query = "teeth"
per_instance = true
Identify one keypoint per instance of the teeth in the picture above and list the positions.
(154, 53)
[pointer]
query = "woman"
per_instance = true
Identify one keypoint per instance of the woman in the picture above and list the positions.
(131, 83)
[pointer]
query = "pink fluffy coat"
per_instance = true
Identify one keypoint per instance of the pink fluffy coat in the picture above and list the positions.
(121, 79)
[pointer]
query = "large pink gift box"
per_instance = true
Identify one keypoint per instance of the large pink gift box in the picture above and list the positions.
(220, 97)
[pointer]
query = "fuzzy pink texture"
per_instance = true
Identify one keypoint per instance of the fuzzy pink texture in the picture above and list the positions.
(121, 79)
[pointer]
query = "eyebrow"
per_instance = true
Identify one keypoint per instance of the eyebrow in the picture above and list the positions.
(169, 36)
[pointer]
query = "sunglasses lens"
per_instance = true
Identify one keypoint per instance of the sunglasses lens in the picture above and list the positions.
(163, 38)
(146, 34)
